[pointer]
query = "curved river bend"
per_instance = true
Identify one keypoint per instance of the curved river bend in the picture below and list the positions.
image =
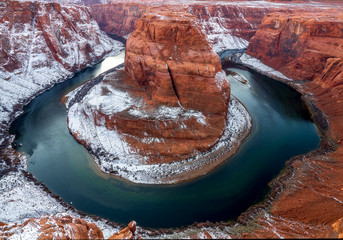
(282, 129)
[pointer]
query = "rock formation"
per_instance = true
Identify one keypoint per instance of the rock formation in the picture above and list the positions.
(127, 233)
(169, 104)
(169, 57)
(174, 79)
(42, 44)
(62, 226)
(308, 47)
(228, 25)
(299, 45)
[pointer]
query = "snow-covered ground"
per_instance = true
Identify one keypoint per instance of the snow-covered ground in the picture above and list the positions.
(119, 157)
(38, 68)
(258, 66)
(21, 200)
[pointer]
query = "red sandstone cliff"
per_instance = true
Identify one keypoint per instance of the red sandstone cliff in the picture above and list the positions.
(178, 91)
(227, 26)
(42, 44)
(308, 47)
(61, 227)
(299, 45)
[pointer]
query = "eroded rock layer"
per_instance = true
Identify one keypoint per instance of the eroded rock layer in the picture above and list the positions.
(42, 44)
(308, 47)
(299, 45)
(171, 101)
(62, 226)
(227, 24)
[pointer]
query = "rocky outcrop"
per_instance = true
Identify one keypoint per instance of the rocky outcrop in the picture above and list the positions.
(62, 226)
(226, 25)
(127, 233)
(52, 227)
(308, 197)
(170, 58)
(169, 104)
(299, 45)
(42, 44)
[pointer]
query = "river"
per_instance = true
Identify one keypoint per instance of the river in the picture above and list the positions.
(282, 128)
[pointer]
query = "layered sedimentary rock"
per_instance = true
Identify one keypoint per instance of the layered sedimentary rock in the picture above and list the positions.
(169, 57)
(41, 44)
(227, 24)
(169, 104)
(176, 94)
(308, 47)
(62, 226)
(299, 45)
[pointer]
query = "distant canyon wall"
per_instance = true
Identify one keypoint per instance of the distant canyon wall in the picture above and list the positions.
(226, 26)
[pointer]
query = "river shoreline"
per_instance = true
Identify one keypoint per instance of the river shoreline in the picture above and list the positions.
(238, 127)
(276, 184)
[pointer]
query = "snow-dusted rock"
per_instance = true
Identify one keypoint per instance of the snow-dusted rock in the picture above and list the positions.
(42, 44)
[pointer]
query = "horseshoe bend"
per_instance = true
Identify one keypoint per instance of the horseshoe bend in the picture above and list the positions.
(167, 110)
(172, 113)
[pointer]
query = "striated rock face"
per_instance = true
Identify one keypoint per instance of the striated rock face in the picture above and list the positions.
(62, 226)
(169, 57)
(226, 25)
(52, 227)
(127, 233)
(308, 47)
(172, 78)
(118, 18)
(169, 104)
(41, 44)
(299, 45)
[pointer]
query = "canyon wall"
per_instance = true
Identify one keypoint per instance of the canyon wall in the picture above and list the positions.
(299, 45)
(170, 103)
(309, 49)
(61, 226)
(42, 44)
(227, 26)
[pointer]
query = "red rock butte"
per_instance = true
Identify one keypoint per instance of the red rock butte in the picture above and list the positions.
(170, 65)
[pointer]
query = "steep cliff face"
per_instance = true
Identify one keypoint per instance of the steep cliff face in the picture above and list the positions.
(171, 57)
(308, 47)
(227, 26)
(172, 78)
(299, 45)
(62, 226)
(41, 44)
(118, 18)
